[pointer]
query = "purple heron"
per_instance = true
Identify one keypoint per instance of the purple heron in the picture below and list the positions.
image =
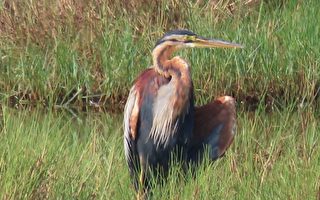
(159, 115)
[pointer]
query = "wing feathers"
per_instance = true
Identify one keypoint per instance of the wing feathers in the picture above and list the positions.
(215, 126)
(131, 114)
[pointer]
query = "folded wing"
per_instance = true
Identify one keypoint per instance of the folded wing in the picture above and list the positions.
(214, 129)
(130, 122)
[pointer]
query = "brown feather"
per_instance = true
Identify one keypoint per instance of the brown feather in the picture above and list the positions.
(219, 111)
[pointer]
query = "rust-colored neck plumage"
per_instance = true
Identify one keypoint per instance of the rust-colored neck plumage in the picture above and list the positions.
(176, 68)
(161, 58)
(164, 65)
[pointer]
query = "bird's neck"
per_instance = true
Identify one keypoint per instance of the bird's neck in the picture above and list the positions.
(170, 68)
(177, 69)
(161, 56)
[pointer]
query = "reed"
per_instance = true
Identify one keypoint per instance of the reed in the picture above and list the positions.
(83, 53)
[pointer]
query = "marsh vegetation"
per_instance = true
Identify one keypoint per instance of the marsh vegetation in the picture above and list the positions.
(60, 58)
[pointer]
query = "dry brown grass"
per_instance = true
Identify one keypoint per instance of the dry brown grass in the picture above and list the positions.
(40, 22)
(92, 32)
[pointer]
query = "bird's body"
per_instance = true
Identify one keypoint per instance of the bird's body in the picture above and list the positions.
(159, 113)
(150, 93)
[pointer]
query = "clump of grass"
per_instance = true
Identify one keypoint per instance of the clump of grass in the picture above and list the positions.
(49, 155)
(88, 53)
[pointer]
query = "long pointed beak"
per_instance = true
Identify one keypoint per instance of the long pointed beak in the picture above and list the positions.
(204, 42)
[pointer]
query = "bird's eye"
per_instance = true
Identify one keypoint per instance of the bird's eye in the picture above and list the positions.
(173, 40)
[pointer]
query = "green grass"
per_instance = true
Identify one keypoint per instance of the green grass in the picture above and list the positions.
(52, 155)
(56, 51)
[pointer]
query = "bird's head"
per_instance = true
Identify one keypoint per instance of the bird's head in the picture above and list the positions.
(187, 39)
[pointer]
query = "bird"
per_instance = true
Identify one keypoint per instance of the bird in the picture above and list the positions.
(159, 115)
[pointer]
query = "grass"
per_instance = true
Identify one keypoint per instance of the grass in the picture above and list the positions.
(74, 53)
(50, 155)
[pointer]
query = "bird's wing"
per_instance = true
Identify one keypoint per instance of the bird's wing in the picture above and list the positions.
(215, 127)
(131, 115)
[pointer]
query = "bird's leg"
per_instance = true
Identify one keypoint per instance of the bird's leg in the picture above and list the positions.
(142, 178)
(141, 192)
